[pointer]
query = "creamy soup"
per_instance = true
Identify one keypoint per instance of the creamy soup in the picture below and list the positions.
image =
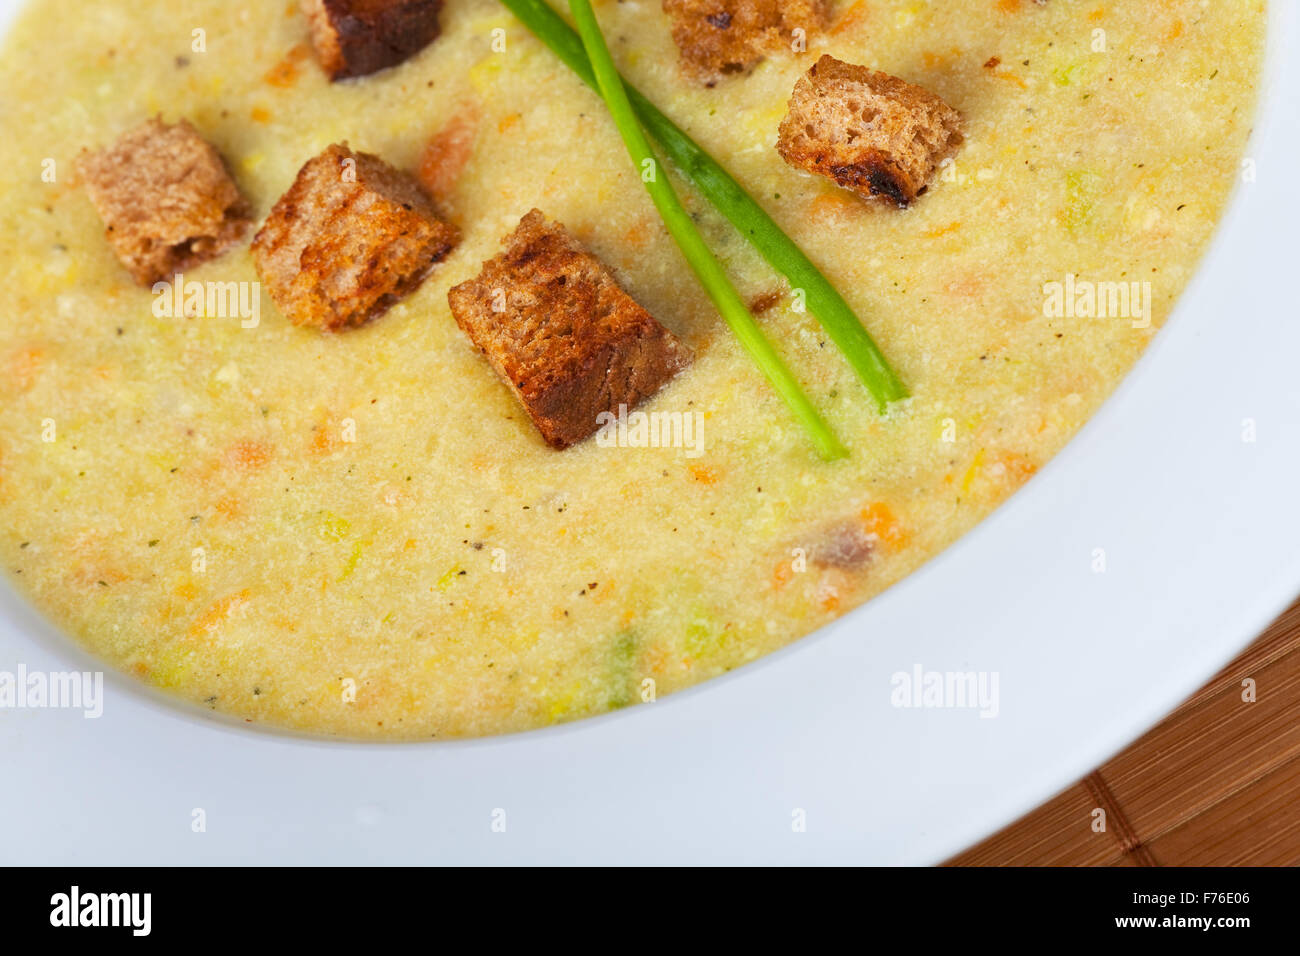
(362, 534)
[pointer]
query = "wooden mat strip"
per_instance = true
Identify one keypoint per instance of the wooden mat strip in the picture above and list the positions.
(1215, 783)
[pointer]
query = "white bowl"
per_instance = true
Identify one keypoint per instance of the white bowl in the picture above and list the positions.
(1199, 530)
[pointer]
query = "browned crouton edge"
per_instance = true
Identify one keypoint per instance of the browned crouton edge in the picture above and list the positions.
(718, 37)
(359, 37)
(870, 132)
(350, 237)
(571, 344)
(166, 199)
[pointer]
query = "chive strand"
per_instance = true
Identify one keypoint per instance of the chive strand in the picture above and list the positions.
(702, 261)
(742, 210)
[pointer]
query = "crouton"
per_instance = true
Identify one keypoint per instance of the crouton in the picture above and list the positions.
(870, 132)
(555, 325)
(166, 199)
(350, 237)
(359, 37)
(729, 36)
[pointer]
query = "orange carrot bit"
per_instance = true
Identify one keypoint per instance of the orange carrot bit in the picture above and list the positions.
(1012, 78)
(260, 114)
(447, 152)
(934, 61)
(508, 122)
(637, 236)
(656, 659)
(705, 474)
(1019, 468)
(326, 439)
(24, 366)
(879, 519)
(832, 205)
(782, 575)
(828, 596)
(968, 286)
(942, 230)
(229, 507)
(853, 16)
(221, 611)
(249, 454)
(285, 73)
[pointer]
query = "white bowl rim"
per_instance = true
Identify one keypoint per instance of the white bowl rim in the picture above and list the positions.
(737, 756)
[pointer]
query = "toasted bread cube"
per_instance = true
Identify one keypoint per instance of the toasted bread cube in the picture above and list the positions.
(166, 199)
(729, 36)
(571, 344)
(350, 237)
(359, 37)
(871, 132)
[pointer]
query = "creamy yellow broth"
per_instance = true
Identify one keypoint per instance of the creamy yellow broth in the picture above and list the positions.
(363, 535)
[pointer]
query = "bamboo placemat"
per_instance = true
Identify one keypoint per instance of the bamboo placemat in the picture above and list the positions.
(1217, 783)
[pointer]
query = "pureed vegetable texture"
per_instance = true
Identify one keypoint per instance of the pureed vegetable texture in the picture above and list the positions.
(388, 550)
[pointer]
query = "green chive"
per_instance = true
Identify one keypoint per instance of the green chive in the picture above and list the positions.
(730, 199)
(703, 263)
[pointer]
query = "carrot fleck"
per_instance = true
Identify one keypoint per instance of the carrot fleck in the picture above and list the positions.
(942, 230)
(24, 366)
(1018, 467)
(637, 236)
(285, 73)
(221, 611)
(852, 17)
(832, 205)
(705, 474)
(248, 454)
(1011, 77)
(228, 506)
(879, 519)
(447, 152)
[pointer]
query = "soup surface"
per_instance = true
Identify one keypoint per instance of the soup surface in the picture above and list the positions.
(361, 534)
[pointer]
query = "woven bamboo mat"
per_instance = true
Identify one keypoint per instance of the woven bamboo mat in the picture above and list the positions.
(1217, 783)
